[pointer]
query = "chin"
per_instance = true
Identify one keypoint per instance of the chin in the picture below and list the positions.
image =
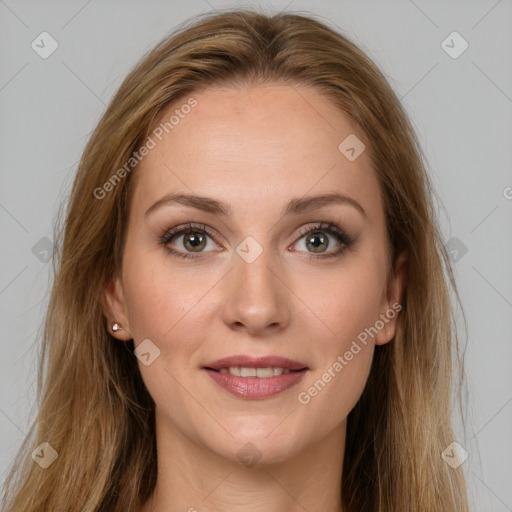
(249, 447)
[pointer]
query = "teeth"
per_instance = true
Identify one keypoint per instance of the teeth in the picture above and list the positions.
(235, 370)
(261, 373)
(247, 372)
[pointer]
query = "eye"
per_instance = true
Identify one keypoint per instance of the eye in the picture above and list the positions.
(317, 239)
(194, 239)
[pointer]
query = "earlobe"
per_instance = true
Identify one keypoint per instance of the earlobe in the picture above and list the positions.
(114, 308)
(392, 301)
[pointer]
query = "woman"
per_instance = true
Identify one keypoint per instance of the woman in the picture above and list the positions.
(251, 302)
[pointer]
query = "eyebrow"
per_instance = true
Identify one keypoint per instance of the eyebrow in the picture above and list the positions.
(294, 207)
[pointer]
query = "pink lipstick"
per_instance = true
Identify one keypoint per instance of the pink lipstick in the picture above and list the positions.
(256, 378)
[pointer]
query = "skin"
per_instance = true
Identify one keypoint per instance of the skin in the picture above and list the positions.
(254, 148)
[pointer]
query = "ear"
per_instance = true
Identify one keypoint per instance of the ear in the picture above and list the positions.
(391, 302)
(115, 310)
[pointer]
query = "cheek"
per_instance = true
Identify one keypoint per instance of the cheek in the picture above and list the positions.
(343, 301)
(346, 305)
(162, 302)
(159, 295)
(333, 391)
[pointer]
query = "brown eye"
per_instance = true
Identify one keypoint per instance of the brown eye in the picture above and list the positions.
(189, 241)
(317, 242)
(194, 241)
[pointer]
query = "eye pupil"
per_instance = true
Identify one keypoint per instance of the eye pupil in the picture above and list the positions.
(194, 240)
(318, 240)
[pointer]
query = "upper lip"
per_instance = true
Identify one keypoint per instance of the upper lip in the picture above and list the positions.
(246, 361)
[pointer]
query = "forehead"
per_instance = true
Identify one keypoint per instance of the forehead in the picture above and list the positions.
(257, 143)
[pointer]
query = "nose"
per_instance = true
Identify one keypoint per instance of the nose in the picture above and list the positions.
(257, 296)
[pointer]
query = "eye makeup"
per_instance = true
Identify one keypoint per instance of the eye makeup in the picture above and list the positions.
(200, 231)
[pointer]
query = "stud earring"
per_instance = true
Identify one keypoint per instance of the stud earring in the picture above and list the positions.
(116, 327)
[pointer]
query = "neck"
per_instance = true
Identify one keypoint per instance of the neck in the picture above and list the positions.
(193, 478)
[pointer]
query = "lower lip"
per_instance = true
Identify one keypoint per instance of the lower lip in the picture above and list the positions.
(254, 388)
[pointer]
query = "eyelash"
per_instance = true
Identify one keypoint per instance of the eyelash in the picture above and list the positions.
(324, 227)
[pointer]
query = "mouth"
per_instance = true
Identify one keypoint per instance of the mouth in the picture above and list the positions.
(260, 373)
(256, 378)
(247, 362)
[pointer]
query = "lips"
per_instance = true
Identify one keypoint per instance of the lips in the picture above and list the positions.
(255, 377)
(243, 361)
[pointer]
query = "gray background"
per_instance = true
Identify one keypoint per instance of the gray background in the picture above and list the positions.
(461, 108)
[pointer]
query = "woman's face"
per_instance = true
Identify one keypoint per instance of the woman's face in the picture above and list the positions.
(286, 257)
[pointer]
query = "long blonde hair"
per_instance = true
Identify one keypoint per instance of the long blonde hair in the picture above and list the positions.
(93, 407)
